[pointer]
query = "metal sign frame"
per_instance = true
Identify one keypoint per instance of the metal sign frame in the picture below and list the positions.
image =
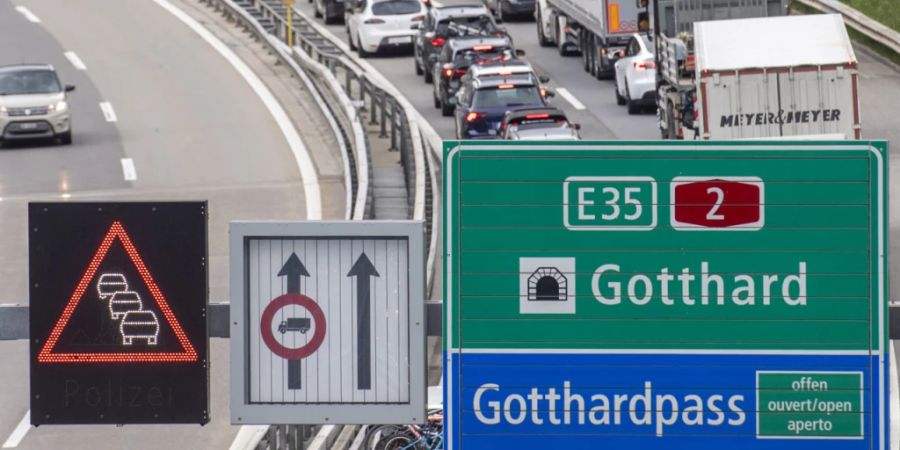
(243, 411)
(456, 395)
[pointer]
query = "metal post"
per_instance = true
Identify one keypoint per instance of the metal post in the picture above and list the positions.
(372, 118)
(383, 132)
(393, 127)
(290, 23)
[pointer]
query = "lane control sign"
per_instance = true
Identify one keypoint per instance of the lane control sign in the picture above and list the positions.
(118, 313)
(665, 296)
(327, 322)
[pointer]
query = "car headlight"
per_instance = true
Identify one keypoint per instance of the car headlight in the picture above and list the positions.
(58, 107)
(3, 110)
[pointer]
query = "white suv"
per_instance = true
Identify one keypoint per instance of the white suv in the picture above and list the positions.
(33, 104)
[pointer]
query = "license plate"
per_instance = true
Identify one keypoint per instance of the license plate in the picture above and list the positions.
(28, 126)
(399, 40)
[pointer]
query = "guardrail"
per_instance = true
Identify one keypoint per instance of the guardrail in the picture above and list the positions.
(859, 22)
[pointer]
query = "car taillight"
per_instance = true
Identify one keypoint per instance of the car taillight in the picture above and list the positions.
(537, 116)
(473, 116)
(506, 86)
(437, 42)
(543, 92)
(448, 73)
(374, 20)
(644, 65)
(418, 18)
(504, 73)
(481, 48)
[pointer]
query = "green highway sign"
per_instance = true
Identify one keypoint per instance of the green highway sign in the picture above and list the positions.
(665, 295)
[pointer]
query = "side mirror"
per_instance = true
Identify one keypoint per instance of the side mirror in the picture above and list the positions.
(70, 87)
(550, 93)
(576, 126)
(544, 79)
(520, 52)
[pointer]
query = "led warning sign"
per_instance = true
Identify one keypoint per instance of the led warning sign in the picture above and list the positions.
(118, 313)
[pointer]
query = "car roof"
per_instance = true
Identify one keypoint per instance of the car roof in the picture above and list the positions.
(18, 67)
(446, 12)
(555, 113)
(470, 41)
(515, 79)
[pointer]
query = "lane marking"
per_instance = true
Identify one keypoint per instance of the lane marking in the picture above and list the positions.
(570, 98)
(308, 173)
(19, 433)
(895, 400)
(128, 170)
(75, 60)
(28, 14)
(108, 112)
(248, 437)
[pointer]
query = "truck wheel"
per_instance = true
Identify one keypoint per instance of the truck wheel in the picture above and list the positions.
(585, 52)
(539, 20)
(446, 107)
(416, 61)
(428, 77)
(670, 120)
(560, 36)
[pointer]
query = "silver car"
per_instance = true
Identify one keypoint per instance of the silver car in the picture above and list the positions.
(33, 104)
(543, 124)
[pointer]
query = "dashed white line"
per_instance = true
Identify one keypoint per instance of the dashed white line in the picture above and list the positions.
(308, 172)
(570, 98)
(19, 433)
(128, 170)
(28, 14)
(108, 112)
(75, 60)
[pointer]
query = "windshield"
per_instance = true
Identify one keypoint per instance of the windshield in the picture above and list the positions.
(504, 98)
(473, 56)
(28, 82)
(467, 25)
(395, 7)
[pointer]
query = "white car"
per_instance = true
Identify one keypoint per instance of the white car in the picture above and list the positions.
(381, 24)
(33, 104)
(636, 75)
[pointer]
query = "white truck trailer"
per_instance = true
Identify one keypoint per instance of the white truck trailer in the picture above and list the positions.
(792, 76)
(597, 29)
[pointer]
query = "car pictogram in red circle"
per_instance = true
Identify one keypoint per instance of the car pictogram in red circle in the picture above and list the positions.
(265, 326)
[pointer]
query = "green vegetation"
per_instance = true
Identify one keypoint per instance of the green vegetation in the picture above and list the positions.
(885, 11)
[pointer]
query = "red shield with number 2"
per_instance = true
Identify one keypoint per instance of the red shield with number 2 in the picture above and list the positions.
(718, 203)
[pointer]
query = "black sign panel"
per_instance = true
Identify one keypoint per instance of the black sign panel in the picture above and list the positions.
(118, 313)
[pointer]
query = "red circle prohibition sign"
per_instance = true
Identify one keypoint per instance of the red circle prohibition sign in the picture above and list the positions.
(265, 326)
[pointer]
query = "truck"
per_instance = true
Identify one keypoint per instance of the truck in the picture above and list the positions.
(598, 30)
(806, 89)
(673, 23)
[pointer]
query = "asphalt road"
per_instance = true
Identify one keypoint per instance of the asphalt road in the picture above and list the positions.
(193, 129)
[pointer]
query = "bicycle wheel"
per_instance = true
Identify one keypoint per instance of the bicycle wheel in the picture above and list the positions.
(401, 440)
(376, 434)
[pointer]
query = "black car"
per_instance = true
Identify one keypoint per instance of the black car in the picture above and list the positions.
(456, 57)
(482, 104)
(442, 23)
(331, 11)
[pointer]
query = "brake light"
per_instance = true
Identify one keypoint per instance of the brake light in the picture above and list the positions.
(437, 42)
(644, 65)
(543, 92)
(448, 73)
(418, 18)
(481, 48)
(504, 73)
(374, 21)
(689, 62)
(537, 116)
(506, 86)
(473, 116)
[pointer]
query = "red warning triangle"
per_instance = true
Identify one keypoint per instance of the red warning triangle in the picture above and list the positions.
(47, 354)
